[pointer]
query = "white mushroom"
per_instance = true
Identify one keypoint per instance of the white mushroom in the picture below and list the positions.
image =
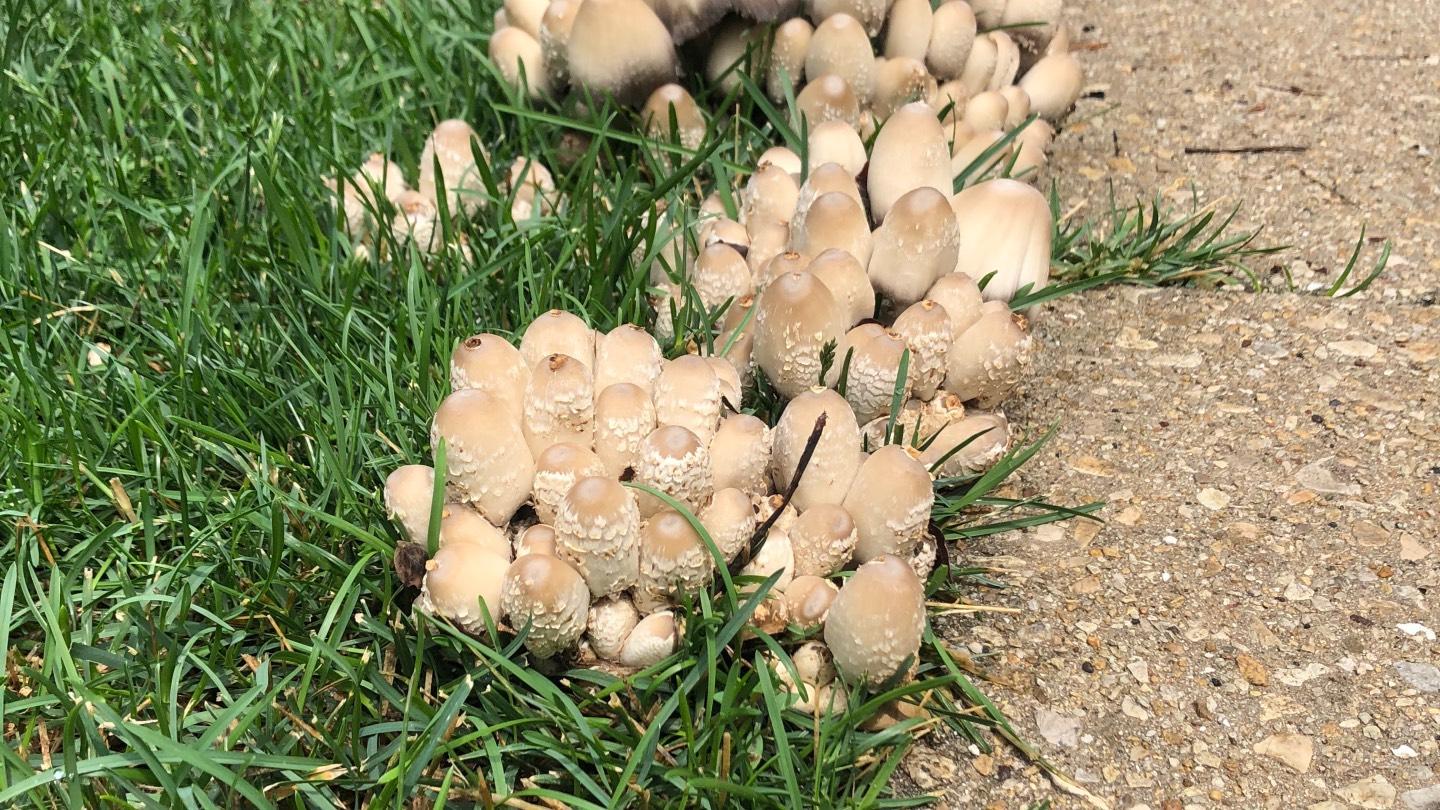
(670, 113)
(687, 393)
(834, 220)
(409, 491)
(841, 47)
(557, 468)
(775, 554)
(910, 152)
(917, 243)
(873, 373)
(907, 31)
(796, 317)
(786, 70)
(876, 622)
(740, 454)
(900, 80)
(925, 328)
(652, 640)
(462, 583)
(620, 47)
(453, 146)
(674, 461)
(837, 454)
(729, 519)
(988, 360)
(823, 539)
(627, 354)
(520, 60)
(846, 279)
(538, 538)
(720, 274)
(624, 416)
(960, 297)
(1053, 85)
(489, 363)
(547, 597)
(488, 463)
(890, 501)
(770, 193)
(982, 439)
(598, 531)
(559, 404)
(558, 332)
(1005, 229)
(828, 98)
(952, 35)
(611, 620)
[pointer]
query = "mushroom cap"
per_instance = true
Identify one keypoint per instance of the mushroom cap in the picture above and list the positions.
(925, 328)
(782, 156)
(986, 110)
(415, 221)
(890, 501)
(740, 454)
(767, 240)
(834, 220)
(907, 31)
(1005, 228)
(729, 519)
(526, 14)
(980, 64)
(555, 25)
(989, 359)
(462, 583)
(624, 416)
(557, 468)
(539, 538)
(452, 145)
(1017, 105)
(558, 332)
(550, 598)
(900, 80)
(917, 243)
(837, 143)
(770, 193)
(952, 94)
(687, 393)
(874, 374)
(729, 378)
(559, 404)
(828, 97)
(721, 230)
(1053, 85)
(1007, 61)
(823, 539)
(837, 454)
(620, 47)
(609, 624)
(1033, 23)
(876, 621)
(673, 558)
(959, 296)
(689, 124)
(673, 460)
(841, 47)
(826, 177)
(910, 152)
(513, 51)
(627, 354)
(972, 153)
(488, 463)
(775, 554)
(1032, 146)
(846, 279)
(598, 531)
(720, 274)
(796, 316)
(988, 435)
(952, 35)
(686, 18)
(787, 57)
(652, 640)
(809, 599)
(490, 363)
(460, 523)
(782, 263)
(408, 494)
(738, 333)
(869, 13)
(728, 54)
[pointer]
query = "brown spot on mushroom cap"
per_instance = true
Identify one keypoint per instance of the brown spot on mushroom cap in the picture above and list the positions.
(673, 558)
(488, 462)
(823, 539)
(557, 468)
(837, 454)
(836, 143)
(1053, 85)
(834, 220)
(796, 316)
(876, 621)
(559, 404)
(808, 599)
(462, 583)
(627, 354)
(786, 70)
(539, 538)
(960, 297)
(624, 416)
(460, 523)
(890, 501)
(840, 47)
(925, 328)
(687, 393)
(787, 262)
(952, 36)
(828, 98)
(547, 596)
(846, 279)
(490, 363)
(598, 531)
(910, 152)
(673, 100)
(899, 81)
(729, 519)
(409, 491)
(673, 460)
(1005, 228)
(558, 332)
(770, 193)
(988, 435)
(907, 31)
(740, 454)
(917, 243)
(620, 47)
(610, 622)
(720, 274)
(520, 60)
(652, 640)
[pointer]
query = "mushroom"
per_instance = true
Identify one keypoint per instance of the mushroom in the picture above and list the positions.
(770, 193)
(834, 220)
(987, 110)
(900, 80)
(624, 416)
(775, 554)
(835, 143)
(787, 58)
(970, 157)
(876, 622)
(488, 463)
(841, 47)
(673, 460)
(869, 13)
(1005, 228)
(952, 36)
(460, 523)
(950, 99)
(610, 622)
(532, 189)
(846, 279)
(922, 562)
(729, 519)
(808, 599)
(824, 178)
(555, 25)
(559, 404)
(823, 539)
(721, 230)
(1031, 146)
(627, 354)
(1032, 22)
(782, 157)
(729, 47)
(557, 468)
(558, 332)
(828, 98)
(737, 332)
(1007, 61)
(767, 505)
(796, 317)
(989, 358)
(874, 433)
(873, 373)
(720, 275)
(958, 294)
(526, 14)
(837, 454)
(415, 222)
(520, 60)
(538, 538)
(462, 583)
(673, 559)
(597, 530)
(890, 501)
(409, 492)
(787, 262)
(988, 437)
(907, 31)
(980, 64)
(740, 454)
(910, 152)
(918, 242)
(687, 393)
(925, 328)
(548, 597)
(621, 48)
(360, 194)
(489, 363)
(767, 240)
(1017, 105)
(652, 640)
(1053, 85)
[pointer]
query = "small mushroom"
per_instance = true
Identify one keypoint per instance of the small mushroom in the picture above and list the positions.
(558, 332)
(918, 242)
(1005, 229)
(729, 52)
(1053, 85)
(624, 416)
(597, 530)
(729, 378)
(952, 36)
(980, 64)
(627, 354)
(869, 13)
(824, 178)
(1017, 105)
(986, 111)
(907, 31)
(876, 622)
(787, 262)
(673, 559)
(837, 143)
(451, 145)
(488, 463)
(988, 360)
(557, 468)
(460, 523)
(950, 98)
(673, 460)
(720, 230)
(621, 48)
(610, 622)
(547, 596)
(538, 538)
(890, 501)
(808, 599)
(719, 275)
(899, 81)
(737, 332)
(787, 58)
(1007, 61)
(462, 583)
(559, 404)
(652, 640)
(770, 193)
(910, 152)
(874, 371)
(823, 539)
(740, 454)
(782, 157)
(925, 328)
(489, 363)
(959, 295)
(846, 279)
(520, 60)
(828, 97)
(687, 393)
(416, 222)
(834, 220)
(970, 156)
(988, 437)
(729, 519)
(841, 47)
(360, 194)
(526, 14)
(796, 317)
(409, 491)
(775, 554)
(532, 189)
(1031, 146)
(837, 454)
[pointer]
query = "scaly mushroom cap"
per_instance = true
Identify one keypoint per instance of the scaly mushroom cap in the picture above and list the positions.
(408, 493)
(890, 501)
(952, 35)
(720, 274)
(460, 523)
(770, 193)
(559, 404)
(987, 110)
(652, 640)
(488, 463)
(547, 596)
(558, 332)
(740, 454)
(823, 539)
(720, 230)
(783, 157)
(489, 363)
(624, 416)
(925, 328)
(687, 393)
(869, 13)
(555, 27)
(989, 359)
(910, 152)
(557, 468)
(846, 279)
(767, 240)
(907, 31)
(609, 624)
(689, 124)
(415, 222)
(520, 60)
(1005, 228)
(837, 455)
(988, 435)
(627, 354)
(873, 433)
(960, 297)
(796, 317)
(848, 346)
(874, 374)
(620, 47)
(451, 146)
(765, 506)
(828, 97)
(462, 583)
(598, 531)
(787, 58)
(922, 562)
(539, 538)
(809, 599)
(834, 220)
(876, 622)
(840, 47)
(1053, 84)
(1017, 105)
(673, 558)
(729, 519)
(917, 243)
(813, 661)
(836, 143)
(674, 461)
(899, 81)
(980, 64)
(775, 554)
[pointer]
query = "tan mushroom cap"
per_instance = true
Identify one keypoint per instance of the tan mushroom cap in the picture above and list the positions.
(490, 363)
(770, 193)
(809, 599)
(841, 47)
(360, 193)
(489, 464)
(775, 554)
(988, 435)
(767, 240)
(960, 296)
(787, 262)
(558, 332)
(728, 52)
(828, 97)
(876, 622)
(740, 454)
(890, 501)
(837, 143)
(559, 404)
(557, 468)
(688, 126)
(1007, 61)
(652, 640)
(687, 393)
(989, 359)
(846, 279)
(869, 13)
(620, 47)
(952, 35)
(824, 178)
(834, 220)
(980, 64)
(720, 274)
(952, 94)
(610, 621)
(555, 26)
(673, 558)
(462, 583)
(451, 145)
(539, 538)
(823, 539)
(415, 222)
(918, 242)
(796, 317)
(1032, 147)
(409, 491)
(874, 374)
(526, 14)
(786, 70)
(1053, 85)
(1018, 105)
(781, 156)
(729, 519)
(971, 154)
(547, 596)
(925, 328)
(516, 52)
(627, 354)
(765, 506)
(907, 31)
(837, 455)
(910, 152)
(848, 345)
(673, 460)
(899, 81)
(721, 230)
(1005, 229)
(598, 531)
(741, 328)
(624, 416)
(460, 523)
(987, 110)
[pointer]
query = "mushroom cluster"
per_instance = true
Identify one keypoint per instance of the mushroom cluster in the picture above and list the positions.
(554, 452)
(376, 200)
